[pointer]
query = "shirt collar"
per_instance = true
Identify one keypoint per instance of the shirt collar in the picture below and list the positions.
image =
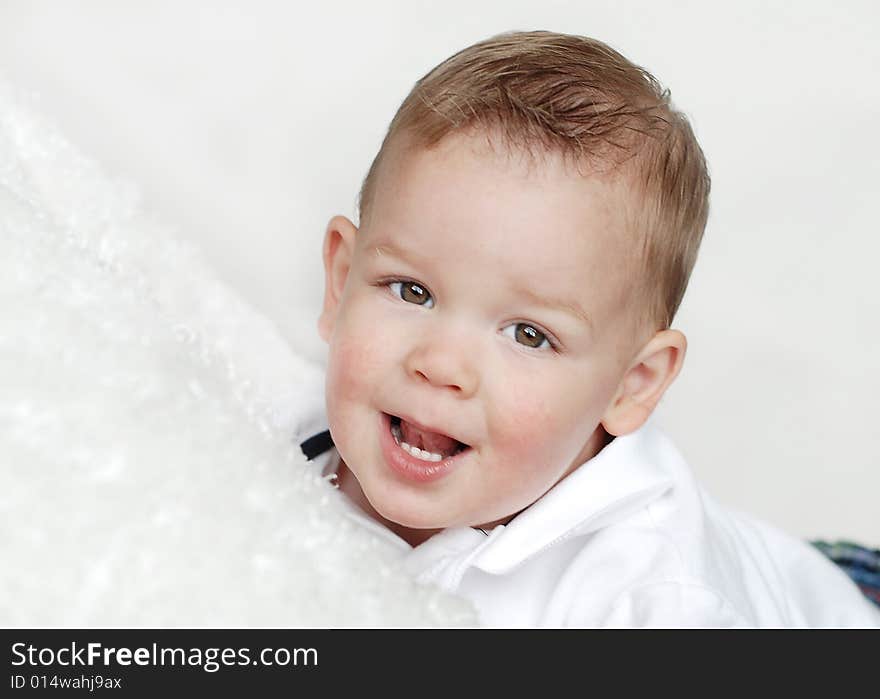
(621, 479)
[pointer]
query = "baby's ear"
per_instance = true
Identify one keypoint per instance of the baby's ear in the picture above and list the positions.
(645, 382)
(338, 253)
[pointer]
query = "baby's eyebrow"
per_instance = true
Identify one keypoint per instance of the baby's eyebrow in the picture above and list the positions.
(571, 307)
(388, 248)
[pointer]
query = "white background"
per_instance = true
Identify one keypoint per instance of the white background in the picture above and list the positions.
(248, 125)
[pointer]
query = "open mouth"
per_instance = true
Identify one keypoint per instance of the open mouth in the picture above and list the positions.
(424, 444)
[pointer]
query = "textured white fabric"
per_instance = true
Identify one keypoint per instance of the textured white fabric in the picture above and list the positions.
(147, 476)
(630, 539)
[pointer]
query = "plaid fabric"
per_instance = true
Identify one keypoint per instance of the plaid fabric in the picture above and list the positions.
(860, 563)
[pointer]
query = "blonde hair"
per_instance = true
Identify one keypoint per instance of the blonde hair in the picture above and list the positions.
(576, 96)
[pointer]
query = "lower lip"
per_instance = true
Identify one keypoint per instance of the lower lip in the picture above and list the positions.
(410, 467)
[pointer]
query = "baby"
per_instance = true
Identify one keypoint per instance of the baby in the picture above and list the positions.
(499, 336)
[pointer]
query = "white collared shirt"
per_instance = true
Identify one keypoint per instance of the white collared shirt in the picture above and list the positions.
(630, 539)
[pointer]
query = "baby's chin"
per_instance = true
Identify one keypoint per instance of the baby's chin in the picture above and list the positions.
(433, 518)
(409, 517)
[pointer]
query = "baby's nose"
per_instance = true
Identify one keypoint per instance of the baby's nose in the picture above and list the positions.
(444, 366)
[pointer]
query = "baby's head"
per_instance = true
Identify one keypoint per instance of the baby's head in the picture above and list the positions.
(502, 311)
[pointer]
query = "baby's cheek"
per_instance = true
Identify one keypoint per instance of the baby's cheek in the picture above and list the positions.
(536, 423)
(345, 382)
(526, 425)
(354, 362)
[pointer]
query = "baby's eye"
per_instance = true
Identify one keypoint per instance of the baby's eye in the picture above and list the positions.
(412, 292)
(527, 335)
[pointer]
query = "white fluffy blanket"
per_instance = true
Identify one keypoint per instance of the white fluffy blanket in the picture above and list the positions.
(147, 473)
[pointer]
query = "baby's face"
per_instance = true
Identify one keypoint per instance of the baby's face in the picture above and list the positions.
(482, 304)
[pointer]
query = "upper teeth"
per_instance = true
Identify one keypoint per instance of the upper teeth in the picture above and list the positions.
(414, 451)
